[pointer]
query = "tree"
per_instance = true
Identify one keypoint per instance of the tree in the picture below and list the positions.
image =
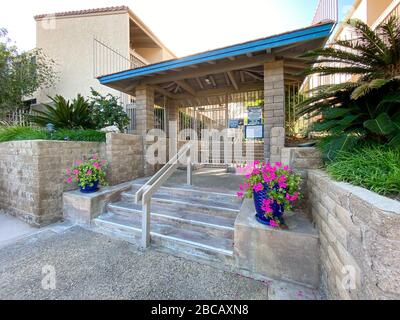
(107, 111)
(367, 108)
(21, 74)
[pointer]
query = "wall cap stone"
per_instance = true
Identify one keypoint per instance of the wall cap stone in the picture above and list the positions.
(381, 202)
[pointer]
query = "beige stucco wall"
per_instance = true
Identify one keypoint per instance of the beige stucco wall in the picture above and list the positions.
(69, 41)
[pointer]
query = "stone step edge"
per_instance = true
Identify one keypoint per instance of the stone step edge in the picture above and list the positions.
(162, 236)
(198, 205)
(191, 190)
(166, 216)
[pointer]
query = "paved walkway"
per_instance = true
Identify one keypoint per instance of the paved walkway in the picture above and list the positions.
(11, 228)
(88, 265)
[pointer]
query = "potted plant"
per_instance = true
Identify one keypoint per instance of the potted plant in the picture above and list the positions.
(89, 174)
(273, 188)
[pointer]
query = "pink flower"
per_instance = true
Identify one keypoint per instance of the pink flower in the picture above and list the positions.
(94, 157)
(292, 198)
(286, 168)
(282, 182)
(258, 187)
(89, 172)
(70, 180)
(240, 194)
(273, 224)
(278, 164)
(266, 206)
(267, 178)
(97, 165)
(78, 163)
(68, 171)
(256, 171)
(75, 172)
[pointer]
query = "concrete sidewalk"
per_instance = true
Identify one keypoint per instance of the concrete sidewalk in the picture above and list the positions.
(88, 265)
(11, 229)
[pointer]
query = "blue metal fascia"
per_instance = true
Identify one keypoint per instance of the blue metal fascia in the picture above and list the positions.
(253, 46)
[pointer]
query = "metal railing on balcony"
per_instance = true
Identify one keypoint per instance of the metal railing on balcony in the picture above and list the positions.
(393, 10)
(107, 60)
(327, 10)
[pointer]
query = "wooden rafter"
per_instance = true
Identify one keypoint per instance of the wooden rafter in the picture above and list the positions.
(185, 86)
(254, 76)
(233, 80)
(200, 83)
(209, 70)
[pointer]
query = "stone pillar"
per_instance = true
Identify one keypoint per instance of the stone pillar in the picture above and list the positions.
(274, 109)
(144, 109)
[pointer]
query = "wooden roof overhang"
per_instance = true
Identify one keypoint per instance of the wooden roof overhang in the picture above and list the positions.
(236, 68)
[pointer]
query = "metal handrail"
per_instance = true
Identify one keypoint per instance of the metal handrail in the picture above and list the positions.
(156, 181)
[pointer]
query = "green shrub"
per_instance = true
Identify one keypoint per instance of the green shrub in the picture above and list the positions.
(373, 168)
(14, 133)
(65, 114)
(107, 111)
(79, 135)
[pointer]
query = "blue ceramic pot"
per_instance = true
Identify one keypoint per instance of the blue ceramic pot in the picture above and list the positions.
(90, 189)
(278, 209)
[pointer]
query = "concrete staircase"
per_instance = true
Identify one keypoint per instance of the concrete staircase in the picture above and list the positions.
(185, 221)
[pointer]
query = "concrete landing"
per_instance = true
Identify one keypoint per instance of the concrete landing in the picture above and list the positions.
(11, 228)
(290, 255)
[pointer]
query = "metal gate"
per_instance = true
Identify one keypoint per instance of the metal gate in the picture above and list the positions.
(229, 111)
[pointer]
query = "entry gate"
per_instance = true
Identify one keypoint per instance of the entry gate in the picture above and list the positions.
(225, 113)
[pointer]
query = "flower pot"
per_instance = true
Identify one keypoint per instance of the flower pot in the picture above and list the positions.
(90, 189)
(277, 209)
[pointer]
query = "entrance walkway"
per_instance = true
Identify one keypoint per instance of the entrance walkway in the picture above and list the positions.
(11, 228)
(88, 265)
(213, 179)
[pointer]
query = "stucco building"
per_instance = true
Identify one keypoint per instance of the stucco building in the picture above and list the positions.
(89, 43)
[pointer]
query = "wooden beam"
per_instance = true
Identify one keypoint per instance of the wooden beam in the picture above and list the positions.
(212, 81)
(232, 58)
(185, 86)
(241, 76)
(282, 49)
(233, 80)
(220, 91)
(212, 62)
(200, 83)
(222, 67)
(164, 92)
(254, 76)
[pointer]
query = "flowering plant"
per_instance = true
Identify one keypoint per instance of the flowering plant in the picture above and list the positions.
(87, 172)
(281, 182)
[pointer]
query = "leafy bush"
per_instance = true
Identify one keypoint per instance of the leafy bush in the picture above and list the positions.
(367, 107)
(107, 111)
(79, 135)
(65, 115)
(374, 168)
(14, 133)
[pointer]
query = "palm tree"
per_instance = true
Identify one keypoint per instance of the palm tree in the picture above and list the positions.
(366, 107)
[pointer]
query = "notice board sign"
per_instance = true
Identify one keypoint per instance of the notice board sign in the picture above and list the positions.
(254, 132)
(255, 116)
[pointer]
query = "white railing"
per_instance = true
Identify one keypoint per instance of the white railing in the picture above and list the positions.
(107, 60)
(327, 10)
(393, 10)
(145, 193)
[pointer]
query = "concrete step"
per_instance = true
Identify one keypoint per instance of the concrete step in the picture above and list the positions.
(188, 205)
(212, 224)
(196, 244)
(190, 192)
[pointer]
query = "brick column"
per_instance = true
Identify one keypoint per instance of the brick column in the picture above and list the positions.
(144, 109)
(274, 109)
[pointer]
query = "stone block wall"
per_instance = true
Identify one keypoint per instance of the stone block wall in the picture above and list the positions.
(32, 173)
(359, 239)
(125, 155)
(32, 177)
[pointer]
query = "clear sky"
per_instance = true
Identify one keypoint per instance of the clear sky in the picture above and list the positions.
(185, 26)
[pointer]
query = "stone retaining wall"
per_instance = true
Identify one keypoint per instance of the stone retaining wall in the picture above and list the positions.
(32, 173)
(359, 239)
